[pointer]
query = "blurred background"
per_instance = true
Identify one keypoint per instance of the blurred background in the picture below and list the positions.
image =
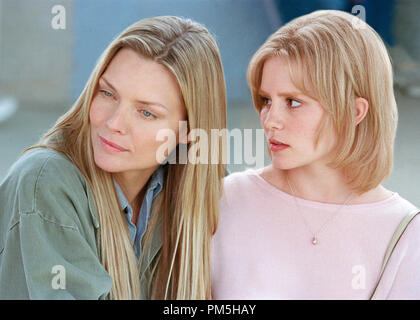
(49, 47)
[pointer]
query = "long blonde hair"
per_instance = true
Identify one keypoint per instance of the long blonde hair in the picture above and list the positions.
(335, 58)
(188, 202)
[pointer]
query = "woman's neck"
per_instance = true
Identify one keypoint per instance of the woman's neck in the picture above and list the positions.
(133, 185)
(321, 184)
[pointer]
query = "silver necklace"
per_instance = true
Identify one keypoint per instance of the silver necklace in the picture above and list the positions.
(314, 239)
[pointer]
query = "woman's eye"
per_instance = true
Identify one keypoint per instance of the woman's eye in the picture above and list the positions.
(106, 93)
(147, 114)
(293, 103)
(265, 101)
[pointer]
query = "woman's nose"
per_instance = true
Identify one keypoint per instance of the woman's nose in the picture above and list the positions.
(117, 121)
(274, 118)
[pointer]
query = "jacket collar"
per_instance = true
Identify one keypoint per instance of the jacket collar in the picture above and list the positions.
(154, 184)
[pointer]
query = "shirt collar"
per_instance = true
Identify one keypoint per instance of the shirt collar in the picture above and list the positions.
(154, 184)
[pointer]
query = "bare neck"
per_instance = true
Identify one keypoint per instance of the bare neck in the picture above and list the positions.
(322, 184)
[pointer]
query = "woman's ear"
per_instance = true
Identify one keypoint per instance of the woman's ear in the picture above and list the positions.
(362, 106)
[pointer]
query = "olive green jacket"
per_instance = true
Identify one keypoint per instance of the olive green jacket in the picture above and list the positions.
(48, 233)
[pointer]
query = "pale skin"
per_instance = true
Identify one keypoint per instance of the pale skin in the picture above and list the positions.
(135, 98)
(291, 117)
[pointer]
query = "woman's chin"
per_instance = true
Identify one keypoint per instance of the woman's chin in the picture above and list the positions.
(281, 164)
(108, 165)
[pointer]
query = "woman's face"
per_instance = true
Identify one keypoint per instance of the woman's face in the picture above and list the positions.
(135, 98)
(290, 120)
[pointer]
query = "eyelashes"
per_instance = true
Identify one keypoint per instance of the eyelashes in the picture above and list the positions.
(147, 114)
(294, 103)
(291, 102)
(106, 93)
(265, 101)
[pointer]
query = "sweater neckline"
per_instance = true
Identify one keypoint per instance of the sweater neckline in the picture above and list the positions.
(316, 204)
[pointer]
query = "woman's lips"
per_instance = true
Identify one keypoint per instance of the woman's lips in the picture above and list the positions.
(111, 146)
(276, 145)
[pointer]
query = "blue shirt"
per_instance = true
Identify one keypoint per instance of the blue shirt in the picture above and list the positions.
(154, 186)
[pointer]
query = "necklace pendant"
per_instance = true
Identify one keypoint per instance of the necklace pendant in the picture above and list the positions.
(314, 241)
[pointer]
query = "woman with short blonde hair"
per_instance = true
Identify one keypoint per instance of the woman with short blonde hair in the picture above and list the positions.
(82, 197)
(319, 222)
(335, 63)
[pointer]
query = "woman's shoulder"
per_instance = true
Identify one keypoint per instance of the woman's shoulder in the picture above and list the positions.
(407, 218)
(43, 168)
(45, 182)
(411, 223)
(34, 161)
(240, 178)
(238, 186)
(401, 279)
(397, 208)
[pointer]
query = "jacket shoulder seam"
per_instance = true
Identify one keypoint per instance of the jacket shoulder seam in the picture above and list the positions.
(39, 213)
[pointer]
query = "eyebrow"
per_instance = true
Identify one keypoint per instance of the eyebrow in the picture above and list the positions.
(148, 103)
(282, 94)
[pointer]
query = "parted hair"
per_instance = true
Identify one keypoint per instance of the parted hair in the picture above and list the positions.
(187, 206)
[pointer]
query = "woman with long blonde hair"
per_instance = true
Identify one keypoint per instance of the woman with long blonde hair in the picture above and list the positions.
(317, 223)
(93, 211)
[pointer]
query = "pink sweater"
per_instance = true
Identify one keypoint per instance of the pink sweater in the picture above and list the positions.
(262, 248)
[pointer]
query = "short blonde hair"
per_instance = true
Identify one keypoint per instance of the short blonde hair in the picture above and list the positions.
(338, 59)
